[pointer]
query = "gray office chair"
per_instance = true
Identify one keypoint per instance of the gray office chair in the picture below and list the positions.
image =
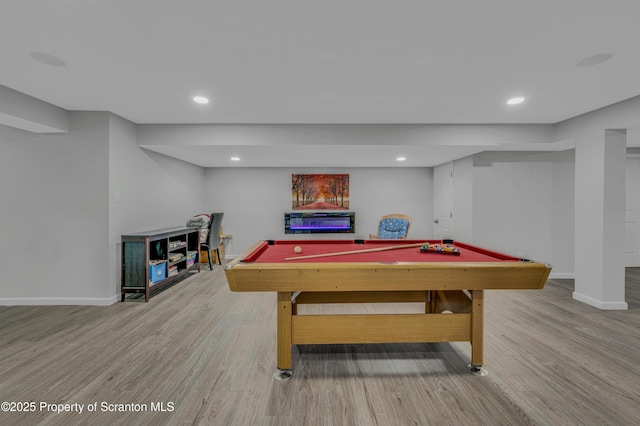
(213, 240)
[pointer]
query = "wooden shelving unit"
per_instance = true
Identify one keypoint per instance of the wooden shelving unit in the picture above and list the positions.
(154, 260)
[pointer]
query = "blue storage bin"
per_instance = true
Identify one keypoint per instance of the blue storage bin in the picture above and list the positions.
(157, 272)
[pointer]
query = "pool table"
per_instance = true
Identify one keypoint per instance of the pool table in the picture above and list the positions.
(451, 286)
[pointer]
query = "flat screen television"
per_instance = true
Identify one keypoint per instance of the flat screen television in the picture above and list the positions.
(320, 222)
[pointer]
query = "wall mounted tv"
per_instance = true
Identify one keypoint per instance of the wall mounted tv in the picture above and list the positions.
(320, 223)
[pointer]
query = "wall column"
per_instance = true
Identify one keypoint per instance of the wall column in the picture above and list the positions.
(599, 219)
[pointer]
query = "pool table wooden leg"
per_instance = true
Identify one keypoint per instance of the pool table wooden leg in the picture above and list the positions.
(477, 333)
(284, 336)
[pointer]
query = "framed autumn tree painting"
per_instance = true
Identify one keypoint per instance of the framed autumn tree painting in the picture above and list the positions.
(320, 192)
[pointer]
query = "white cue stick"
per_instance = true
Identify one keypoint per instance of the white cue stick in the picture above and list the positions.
(340, 253)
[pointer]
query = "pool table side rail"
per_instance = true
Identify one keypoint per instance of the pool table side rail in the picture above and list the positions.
(376, 277)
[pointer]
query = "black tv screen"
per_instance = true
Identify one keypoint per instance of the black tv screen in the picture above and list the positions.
(311, 223)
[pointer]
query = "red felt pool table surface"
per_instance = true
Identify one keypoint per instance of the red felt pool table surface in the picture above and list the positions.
(283, 251)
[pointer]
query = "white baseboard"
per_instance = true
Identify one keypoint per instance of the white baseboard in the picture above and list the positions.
(600, 304)
(561, 275)
(32, 301)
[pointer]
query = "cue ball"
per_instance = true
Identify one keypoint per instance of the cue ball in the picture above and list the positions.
(297, 249)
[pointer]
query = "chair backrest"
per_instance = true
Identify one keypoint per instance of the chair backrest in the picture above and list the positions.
(215, 222)
(394, 226)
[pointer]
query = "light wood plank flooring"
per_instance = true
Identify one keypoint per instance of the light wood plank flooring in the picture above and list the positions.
(208, 355)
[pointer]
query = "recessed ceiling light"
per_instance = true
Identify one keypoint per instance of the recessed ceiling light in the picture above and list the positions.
(515, 101)
(594, 60)
(401, 158)
(235, 158)
(200, 100)
(45, 58)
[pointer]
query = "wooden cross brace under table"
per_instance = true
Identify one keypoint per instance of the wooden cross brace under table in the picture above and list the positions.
(462, 321)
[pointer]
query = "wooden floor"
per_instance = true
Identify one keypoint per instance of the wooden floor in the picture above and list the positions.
(206, 356)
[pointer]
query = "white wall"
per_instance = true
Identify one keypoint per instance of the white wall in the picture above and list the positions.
(54, 215)
(522, 204)
(562, 244)
(155, 191)
(59, 224)
(59, 213)
(254, 201)
(463, 199)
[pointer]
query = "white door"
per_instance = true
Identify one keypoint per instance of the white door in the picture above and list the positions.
(443, 201)
(632, 214)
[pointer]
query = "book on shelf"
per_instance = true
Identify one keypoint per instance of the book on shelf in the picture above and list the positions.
(175, 244)
(173, 270)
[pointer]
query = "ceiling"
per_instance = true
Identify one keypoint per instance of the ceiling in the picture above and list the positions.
(341, 62)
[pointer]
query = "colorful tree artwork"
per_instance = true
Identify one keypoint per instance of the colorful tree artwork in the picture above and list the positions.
(320, 192)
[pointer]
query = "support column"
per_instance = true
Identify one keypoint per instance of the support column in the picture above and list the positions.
(599, 219)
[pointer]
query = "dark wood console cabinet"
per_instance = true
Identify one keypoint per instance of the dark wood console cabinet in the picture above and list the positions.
(153, 260)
